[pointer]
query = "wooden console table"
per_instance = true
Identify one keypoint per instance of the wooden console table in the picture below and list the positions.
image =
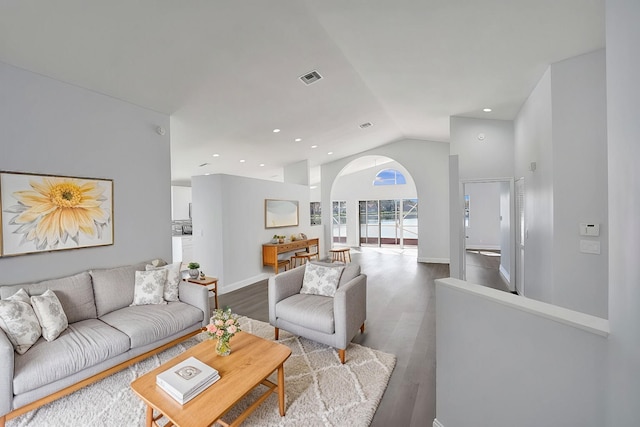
(270, 251)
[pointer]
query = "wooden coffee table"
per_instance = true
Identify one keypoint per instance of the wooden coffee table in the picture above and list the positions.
(251, 361)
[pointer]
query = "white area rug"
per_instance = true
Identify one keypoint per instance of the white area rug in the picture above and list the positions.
(319, 390)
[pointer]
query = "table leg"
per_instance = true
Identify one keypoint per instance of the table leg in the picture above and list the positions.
(149, 422)
(281, 388)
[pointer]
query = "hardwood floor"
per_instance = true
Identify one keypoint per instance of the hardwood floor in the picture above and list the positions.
(483, 269)
(400, 320)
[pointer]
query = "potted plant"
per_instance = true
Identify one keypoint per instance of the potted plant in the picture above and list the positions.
(193, 270)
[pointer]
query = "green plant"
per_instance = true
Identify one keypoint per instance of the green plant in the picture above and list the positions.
(193, 265)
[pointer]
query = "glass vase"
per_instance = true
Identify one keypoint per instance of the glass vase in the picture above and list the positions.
(222, 347)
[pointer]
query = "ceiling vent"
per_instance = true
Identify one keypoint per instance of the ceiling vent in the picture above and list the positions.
(204, 164)
(310, 77)
(366, 125)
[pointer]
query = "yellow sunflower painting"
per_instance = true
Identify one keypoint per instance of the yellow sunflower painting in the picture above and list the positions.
(43, 213)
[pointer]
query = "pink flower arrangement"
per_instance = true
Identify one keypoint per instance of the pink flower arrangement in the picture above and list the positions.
(223, 325)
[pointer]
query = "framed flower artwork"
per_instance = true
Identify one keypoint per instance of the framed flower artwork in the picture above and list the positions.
(40, 213)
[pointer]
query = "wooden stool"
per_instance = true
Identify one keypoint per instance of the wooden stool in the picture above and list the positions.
(304, 257)
(340, 254)
(283, 263)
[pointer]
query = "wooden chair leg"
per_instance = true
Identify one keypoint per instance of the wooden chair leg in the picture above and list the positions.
(277, 333)
(362, 329)
(341, 353)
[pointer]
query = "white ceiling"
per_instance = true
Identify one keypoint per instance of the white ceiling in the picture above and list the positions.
(227, 71)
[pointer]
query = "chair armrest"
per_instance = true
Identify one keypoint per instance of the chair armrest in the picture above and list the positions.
(350, 309)
(197, 296)
(282, 286)
(6, 374)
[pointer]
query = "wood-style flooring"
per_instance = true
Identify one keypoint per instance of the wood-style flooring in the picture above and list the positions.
(483, 268)
(400, 320)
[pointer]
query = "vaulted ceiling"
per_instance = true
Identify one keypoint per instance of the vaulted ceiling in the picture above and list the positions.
(227, 71)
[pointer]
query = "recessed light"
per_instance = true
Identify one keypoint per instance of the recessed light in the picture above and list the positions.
(242, 161)
(261, 164)
(313, 187)
(314, 146)
(298, 139)
(276, 130)
(330, 153)
(486, 110)
(216, 155)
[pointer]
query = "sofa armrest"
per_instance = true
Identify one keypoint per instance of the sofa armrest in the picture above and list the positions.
(282, 286)
(6, 374)
(197, 296)
(350, 309)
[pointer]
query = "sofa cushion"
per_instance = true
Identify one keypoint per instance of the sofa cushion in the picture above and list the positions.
(50, 314)
(81, 345)
(113, 287)
(149, 287)
(309, 311)
(321, 279)
(74, 292)
(145, 324)
(19, 321)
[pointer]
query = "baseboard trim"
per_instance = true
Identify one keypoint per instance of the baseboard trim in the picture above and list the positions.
(483, 247)
(241, 284)
(434, 260)
(437, 423)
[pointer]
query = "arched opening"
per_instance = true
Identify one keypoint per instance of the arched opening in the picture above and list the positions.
(374, 202)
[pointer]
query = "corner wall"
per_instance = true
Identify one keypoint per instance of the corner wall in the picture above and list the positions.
(51, 127)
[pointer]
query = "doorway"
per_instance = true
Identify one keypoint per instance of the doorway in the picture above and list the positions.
(388, 222)
(489, 243)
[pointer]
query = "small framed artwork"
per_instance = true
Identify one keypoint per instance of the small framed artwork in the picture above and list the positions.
(280, 213)
(40, 213)
(315, 213)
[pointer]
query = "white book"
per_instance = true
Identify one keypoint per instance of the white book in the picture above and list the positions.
(186, 379)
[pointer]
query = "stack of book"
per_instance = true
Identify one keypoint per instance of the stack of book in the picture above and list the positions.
(187, 379)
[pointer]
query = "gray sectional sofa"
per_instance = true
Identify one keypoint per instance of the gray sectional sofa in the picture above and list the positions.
(105, 334)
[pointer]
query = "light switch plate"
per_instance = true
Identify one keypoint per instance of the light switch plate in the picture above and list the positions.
(590, 247)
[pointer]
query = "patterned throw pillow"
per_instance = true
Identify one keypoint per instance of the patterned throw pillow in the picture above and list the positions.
(19, 322)
(173, 280)
(50, 314)
(149, 287)
(321, 280)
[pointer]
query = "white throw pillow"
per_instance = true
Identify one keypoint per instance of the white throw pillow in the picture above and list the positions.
(320, 279)
(50, 314)
(172, 283)
(19, 322)
(149, 287)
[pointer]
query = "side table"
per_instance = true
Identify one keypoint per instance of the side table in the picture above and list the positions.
(206, 282)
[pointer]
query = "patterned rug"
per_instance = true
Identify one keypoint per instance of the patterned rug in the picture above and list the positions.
(319, 390)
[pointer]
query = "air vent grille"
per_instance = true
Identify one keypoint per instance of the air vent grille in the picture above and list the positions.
(310, 77)
(366, 125)
(204, 164)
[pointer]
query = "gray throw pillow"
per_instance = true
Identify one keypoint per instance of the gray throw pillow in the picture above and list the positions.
(173, 280)
(321, 280)
(50, 314)
(19, 322)
(149, 287)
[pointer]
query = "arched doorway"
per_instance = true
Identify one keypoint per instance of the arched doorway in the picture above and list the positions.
(374, 203)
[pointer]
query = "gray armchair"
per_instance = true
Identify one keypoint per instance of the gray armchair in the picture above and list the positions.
(332, 321)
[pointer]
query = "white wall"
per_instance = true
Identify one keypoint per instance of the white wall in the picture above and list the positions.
(180, 199)
(623, 127)
(578, 90)
(427, 162)
(228, 225)
(483, 231)
(562, 127)
(504, 361)
(491, 157)
(533, 143)
(358, 186)
(52, 127)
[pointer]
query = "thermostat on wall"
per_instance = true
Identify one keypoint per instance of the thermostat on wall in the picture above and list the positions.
(587, 229)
